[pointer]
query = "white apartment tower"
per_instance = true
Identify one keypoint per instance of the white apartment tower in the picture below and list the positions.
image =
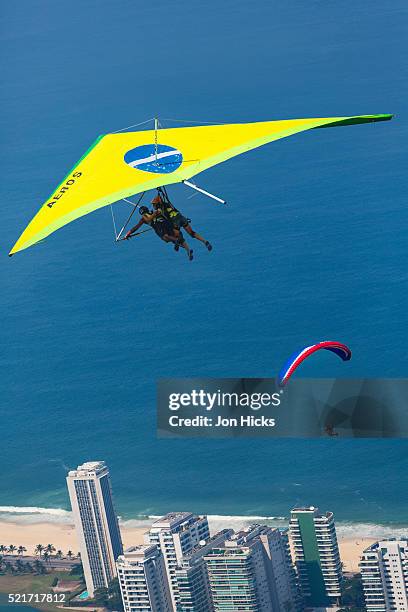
(96, 523)
(176, 534)
(317, 556)
(384, 572)
(193, 589)
(253, 572)
(143, 581)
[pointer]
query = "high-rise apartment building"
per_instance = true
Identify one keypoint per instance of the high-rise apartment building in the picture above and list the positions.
(317, 557)
(252, 572)
(384, 572)
(96, 523)
(143, 581)
(176, 534)
(193, 589)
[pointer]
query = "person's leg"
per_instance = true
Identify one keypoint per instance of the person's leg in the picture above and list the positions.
(168, 238)
(184, 244)
(193, 234)
(197, 236)
(179, 242)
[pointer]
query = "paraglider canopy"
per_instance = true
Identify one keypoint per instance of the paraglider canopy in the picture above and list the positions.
(341, 350)
(118, 165)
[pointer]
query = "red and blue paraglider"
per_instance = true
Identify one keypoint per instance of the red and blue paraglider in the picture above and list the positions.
(341, 350)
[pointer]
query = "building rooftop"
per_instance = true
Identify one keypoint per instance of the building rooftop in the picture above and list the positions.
(138, 548)
(383, 543)
(205, 546)
(237, 551)
(171, 519)
(312, 510)
(306, 509)
(89, 467)
(138, 553)
(248, 536)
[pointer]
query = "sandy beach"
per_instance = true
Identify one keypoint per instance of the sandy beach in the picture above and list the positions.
(63, 537)
(350, 551)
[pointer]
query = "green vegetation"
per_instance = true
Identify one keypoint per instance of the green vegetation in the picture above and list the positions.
(352, 595)
(35, 582)
(78, 571)
(109, 598)
(18, 567)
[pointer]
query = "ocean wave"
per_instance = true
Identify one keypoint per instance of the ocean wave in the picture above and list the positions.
(345, 529)
(218, 522)
(348, 530)
(35, 514)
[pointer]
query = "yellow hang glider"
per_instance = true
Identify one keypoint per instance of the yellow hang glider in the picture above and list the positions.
(119, 165)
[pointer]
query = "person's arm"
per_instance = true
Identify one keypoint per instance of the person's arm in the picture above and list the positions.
(135, 228)
(149, 217)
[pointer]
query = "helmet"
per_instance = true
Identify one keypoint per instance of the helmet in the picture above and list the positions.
(143, 210)
(157, 199)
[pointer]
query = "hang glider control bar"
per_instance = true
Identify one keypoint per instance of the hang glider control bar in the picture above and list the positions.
(203, 191)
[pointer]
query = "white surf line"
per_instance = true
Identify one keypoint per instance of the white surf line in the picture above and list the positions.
(151, 158)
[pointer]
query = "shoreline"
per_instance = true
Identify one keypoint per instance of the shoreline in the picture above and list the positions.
(62, 536)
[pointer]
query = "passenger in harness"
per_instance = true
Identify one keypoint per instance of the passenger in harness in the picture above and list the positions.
(162, 203)
(162, 227)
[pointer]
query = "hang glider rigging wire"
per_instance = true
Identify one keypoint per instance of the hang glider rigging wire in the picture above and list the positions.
(158, 123)
(135, 207)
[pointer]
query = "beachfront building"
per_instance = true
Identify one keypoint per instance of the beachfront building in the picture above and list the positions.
(143, 581)
(316, 555)
(384, 572)
(176, 534)
(253, 572)
(96, 523)
(193, 589)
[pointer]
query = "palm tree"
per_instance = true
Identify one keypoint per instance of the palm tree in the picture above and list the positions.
(70, 554)
(21, 550)
(12, 549)
(46, 556)
(58, 554)
(50, 548)
(38, 549)
(3, 549)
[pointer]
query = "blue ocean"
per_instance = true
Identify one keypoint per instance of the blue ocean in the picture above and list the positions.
(311, 246)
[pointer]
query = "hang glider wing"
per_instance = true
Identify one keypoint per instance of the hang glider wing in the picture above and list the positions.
(119, 165)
